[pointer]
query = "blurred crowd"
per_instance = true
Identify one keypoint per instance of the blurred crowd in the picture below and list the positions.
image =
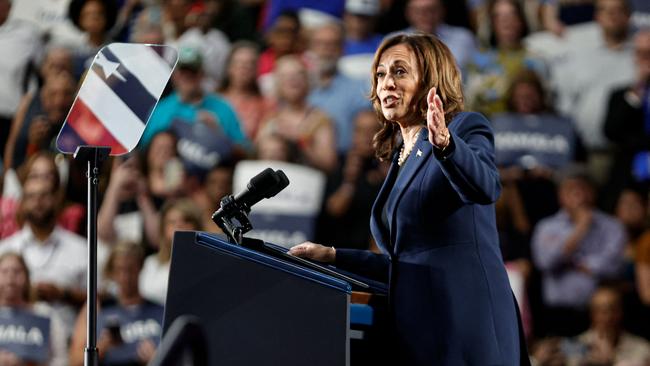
(565, 83)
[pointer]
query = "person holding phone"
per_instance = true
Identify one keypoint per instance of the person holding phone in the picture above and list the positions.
(130, 326)
(433, 219)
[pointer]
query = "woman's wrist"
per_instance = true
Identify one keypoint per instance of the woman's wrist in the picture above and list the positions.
(445, 143)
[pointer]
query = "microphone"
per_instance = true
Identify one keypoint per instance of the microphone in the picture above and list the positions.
(266, 184)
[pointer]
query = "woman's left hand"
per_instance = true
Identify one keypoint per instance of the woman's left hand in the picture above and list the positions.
(438, 132)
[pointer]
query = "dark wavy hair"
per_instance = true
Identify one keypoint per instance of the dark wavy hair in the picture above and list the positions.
(110, 12)
(437, 67)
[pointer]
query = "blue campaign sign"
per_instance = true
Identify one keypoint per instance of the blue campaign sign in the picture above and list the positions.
(119, 92)
(25, 334)
(136, 324)
(289, 218)
(201, 146)
(533, 140)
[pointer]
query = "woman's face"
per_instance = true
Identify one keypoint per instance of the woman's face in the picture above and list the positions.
(243, 66)
(526, 99)
(630, 209)
(506, 22)
(125, 273)
(13, 280)
(398, 78)
(93, 18)
(292, 80)
(173, 221)
(162, 149)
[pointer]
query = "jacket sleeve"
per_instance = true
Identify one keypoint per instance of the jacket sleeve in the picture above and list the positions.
(468, 162)
(364, 263)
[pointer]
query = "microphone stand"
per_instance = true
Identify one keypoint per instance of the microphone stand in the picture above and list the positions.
(233, 210)
(94, 156)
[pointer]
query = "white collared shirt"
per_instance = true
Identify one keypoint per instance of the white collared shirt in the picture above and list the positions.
(60, 259)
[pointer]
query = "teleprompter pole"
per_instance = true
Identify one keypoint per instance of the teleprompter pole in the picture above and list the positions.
(94, 156)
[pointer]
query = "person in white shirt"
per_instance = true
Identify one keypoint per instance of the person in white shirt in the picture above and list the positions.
(20, 43)
(16, 303)
(55, 257)
(175, 215)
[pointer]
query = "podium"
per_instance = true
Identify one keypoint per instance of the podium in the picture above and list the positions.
(256, 308)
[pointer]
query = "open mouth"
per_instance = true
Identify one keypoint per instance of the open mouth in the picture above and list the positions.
(390, 101)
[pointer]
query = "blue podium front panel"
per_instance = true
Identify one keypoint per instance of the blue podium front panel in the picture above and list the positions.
(256, 309)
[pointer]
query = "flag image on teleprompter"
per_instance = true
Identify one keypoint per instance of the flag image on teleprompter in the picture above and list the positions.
(117, 96)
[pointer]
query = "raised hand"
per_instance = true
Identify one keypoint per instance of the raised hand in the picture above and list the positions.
(438, 132)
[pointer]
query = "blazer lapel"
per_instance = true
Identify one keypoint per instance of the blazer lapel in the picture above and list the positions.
(419, 156)
(376, 228)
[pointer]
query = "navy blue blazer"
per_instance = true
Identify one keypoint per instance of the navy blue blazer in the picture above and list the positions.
(450, 298)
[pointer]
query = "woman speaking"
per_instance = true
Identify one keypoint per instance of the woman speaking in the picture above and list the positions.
(434, 219)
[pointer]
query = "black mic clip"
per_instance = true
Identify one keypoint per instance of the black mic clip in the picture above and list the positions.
(234, 222)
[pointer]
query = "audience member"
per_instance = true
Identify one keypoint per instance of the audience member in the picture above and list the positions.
(606, 342)
(361, 40)
(207, 127)
(233, 18)
(57, 60)
(218, 184)
(127, 210)
(129, 325)
(489, 72)
(575, 249)
(169, 14)
(590, 74)
(21, 41)
(547, 352)
(557, 14)
(48, 344)
(352, 189)
(95, 18)
(297, 120)
(332, 91)
(428, 16)
(284, 37)
(531, 141)
(42, 166)
(240, 88)
(626, 125)
(39, 118)
(212, 43)
(55, 257)
(175, 215)
(163, 169)
(632, 211)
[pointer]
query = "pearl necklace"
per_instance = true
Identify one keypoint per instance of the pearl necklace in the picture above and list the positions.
(404, 154)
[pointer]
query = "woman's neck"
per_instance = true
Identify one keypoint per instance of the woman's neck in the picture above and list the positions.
(410, 133)
(296, 106)
(130, 299)
(96, 39)
(12, 302)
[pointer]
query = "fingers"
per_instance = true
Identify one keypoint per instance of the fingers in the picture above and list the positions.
(431, 96)
(300, 250)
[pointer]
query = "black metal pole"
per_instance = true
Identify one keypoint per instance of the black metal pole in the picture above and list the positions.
(93, 156)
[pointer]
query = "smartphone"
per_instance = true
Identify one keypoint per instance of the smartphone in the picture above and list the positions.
(173, 174)
(113, 327)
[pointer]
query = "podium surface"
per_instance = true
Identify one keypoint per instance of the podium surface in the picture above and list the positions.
(257, 309)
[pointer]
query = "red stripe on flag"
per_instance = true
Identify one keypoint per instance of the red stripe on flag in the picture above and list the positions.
(91, 129)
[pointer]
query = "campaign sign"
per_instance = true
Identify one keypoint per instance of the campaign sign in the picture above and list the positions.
(289, 218)
(25, 334)
(533, 140)
(136, 323)
(119, 92)
(201, 146)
